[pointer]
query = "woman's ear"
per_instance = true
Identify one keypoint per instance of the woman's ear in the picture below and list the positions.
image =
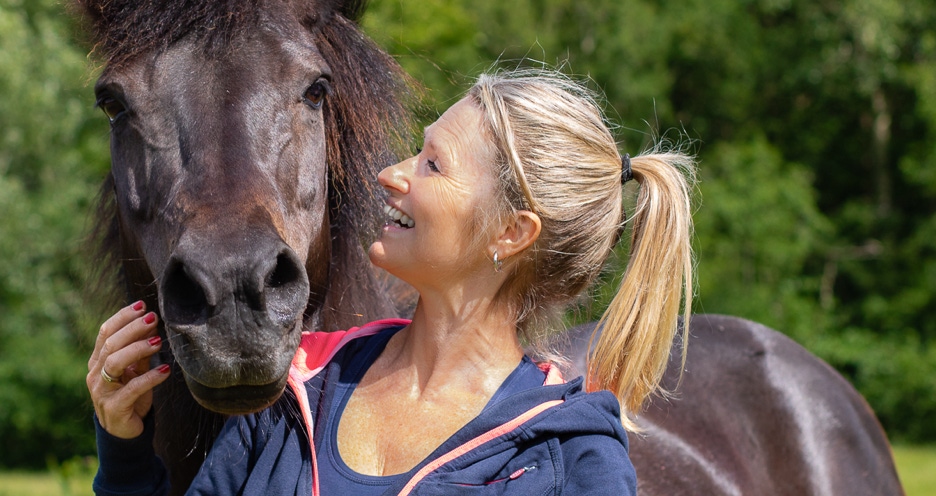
(517, 234)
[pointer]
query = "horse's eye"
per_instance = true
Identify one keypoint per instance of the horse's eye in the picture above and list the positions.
(112, 107)
(314, 95)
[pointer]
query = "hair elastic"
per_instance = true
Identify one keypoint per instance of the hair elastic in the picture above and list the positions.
(626, 174)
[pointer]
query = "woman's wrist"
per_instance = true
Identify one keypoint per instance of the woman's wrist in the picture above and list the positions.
(128, 465)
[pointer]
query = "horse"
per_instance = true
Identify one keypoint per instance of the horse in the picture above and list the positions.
(245, 141)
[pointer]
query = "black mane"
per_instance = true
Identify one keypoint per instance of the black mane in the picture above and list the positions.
(122, 29)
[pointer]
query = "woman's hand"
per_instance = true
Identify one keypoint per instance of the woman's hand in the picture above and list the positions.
(119, 378)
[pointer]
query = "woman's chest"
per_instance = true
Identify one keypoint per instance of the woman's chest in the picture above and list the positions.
(385, 434)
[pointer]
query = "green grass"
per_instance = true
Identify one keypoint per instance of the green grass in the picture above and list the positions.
(43, 484)
(915, 464)
(69, 478)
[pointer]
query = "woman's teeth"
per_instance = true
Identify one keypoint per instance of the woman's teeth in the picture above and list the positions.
(398, 217)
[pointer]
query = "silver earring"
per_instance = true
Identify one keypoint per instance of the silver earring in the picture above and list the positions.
(498, 264)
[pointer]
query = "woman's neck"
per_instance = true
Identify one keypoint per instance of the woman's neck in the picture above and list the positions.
(471, 344)
(432, 378)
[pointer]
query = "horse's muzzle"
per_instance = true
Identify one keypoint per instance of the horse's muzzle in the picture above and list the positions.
(236, 400)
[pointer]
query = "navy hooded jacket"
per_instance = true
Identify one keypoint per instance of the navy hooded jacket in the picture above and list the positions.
(554, 439)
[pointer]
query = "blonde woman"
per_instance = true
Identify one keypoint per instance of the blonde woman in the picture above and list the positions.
(506, 214)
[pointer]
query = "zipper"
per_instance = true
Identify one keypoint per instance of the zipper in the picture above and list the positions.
(515, 475)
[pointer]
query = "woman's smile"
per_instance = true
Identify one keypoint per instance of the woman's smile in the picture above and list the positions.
(398, 217)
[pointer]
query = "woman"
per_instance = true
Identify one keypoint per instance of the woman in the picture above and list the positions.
(506, 214)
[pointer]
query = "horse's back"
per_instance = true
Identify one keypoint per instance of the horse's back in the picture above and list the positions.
(755, 413)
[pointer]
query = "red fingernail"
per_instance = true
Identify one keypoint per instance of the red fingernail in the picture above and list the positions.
(163, 369)
(149, 318)
(154, 341)
(138, 305)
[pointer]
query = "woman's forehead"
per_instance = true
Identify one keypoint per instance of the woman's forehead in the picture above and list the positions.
(460, 121)
(459, 132)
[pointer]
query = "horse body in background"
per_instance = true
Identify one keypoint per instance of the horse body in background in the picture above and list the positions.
(245, 141)
(754, 413)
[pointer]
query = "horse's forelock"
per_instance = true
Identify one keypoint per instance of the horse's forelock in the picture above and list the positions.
(122, 29)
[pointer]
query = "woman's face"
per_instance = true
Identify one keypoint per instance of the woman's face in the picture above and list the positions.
(434, 199)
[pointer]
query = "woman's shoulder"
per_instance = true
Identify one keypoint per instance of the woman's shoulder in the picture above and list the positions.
(593, 443)
(581, 412)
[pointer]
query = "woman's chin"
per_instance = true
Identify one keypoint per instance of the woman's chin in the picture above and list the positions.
(376, 252)
(379, 256)
(389, 261)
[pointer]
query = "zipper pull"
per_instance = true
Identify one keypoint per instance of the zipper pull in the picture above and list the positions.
(519, 472)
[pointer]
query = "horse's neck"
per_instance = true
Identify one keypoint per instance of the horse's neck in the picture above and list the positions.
(358, 293)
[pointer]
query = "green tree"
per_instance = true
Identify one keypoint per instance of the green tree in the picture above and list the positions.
(52, 155)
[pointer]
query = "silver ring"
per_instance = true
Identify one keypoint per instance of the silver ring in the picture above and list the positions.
(107, 377)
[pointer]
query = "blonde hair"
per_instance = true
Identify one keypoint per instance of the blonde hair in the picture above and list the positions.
(556, 156)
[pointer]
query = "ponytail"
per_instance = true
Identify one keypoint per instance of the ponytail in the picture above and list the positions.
(555, 154)
(640, 324)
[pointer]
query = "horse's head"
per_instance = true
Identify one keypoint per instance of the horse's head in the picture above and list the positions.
(228, 160)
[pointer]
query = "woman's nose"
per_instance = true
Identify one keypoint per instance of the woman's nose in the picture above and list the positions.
(395, 176)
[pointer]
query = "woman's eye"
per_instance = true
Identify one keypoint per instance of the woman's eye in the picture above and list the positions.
(432, 165)
(112, 107)
(315, 95)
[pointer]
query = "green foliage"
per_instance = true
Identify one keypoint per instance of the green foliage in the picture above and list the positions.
(894, 375)
(759, 227)
(51, 156)
(435, 42)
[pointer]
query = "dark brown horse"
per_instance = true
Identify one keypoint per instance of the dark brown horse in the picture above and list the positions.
(245, 140)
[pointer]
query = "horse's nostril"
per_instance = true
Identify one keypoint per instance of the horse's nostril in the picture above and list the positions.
(286, 288)
(285, 272)
(263, 285)
(184, 298)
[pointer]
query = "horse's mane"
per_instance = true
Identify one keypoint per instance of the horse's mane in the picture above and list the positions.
(368, 117)
(369, 125)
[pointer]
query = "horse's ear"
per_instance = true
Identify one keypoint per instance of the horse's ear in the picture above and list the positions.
(89, 12)
(313, 14)
(352, 9)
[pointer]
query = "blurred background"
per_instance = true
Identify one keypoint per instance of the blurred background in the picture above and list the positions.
(815, 122)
